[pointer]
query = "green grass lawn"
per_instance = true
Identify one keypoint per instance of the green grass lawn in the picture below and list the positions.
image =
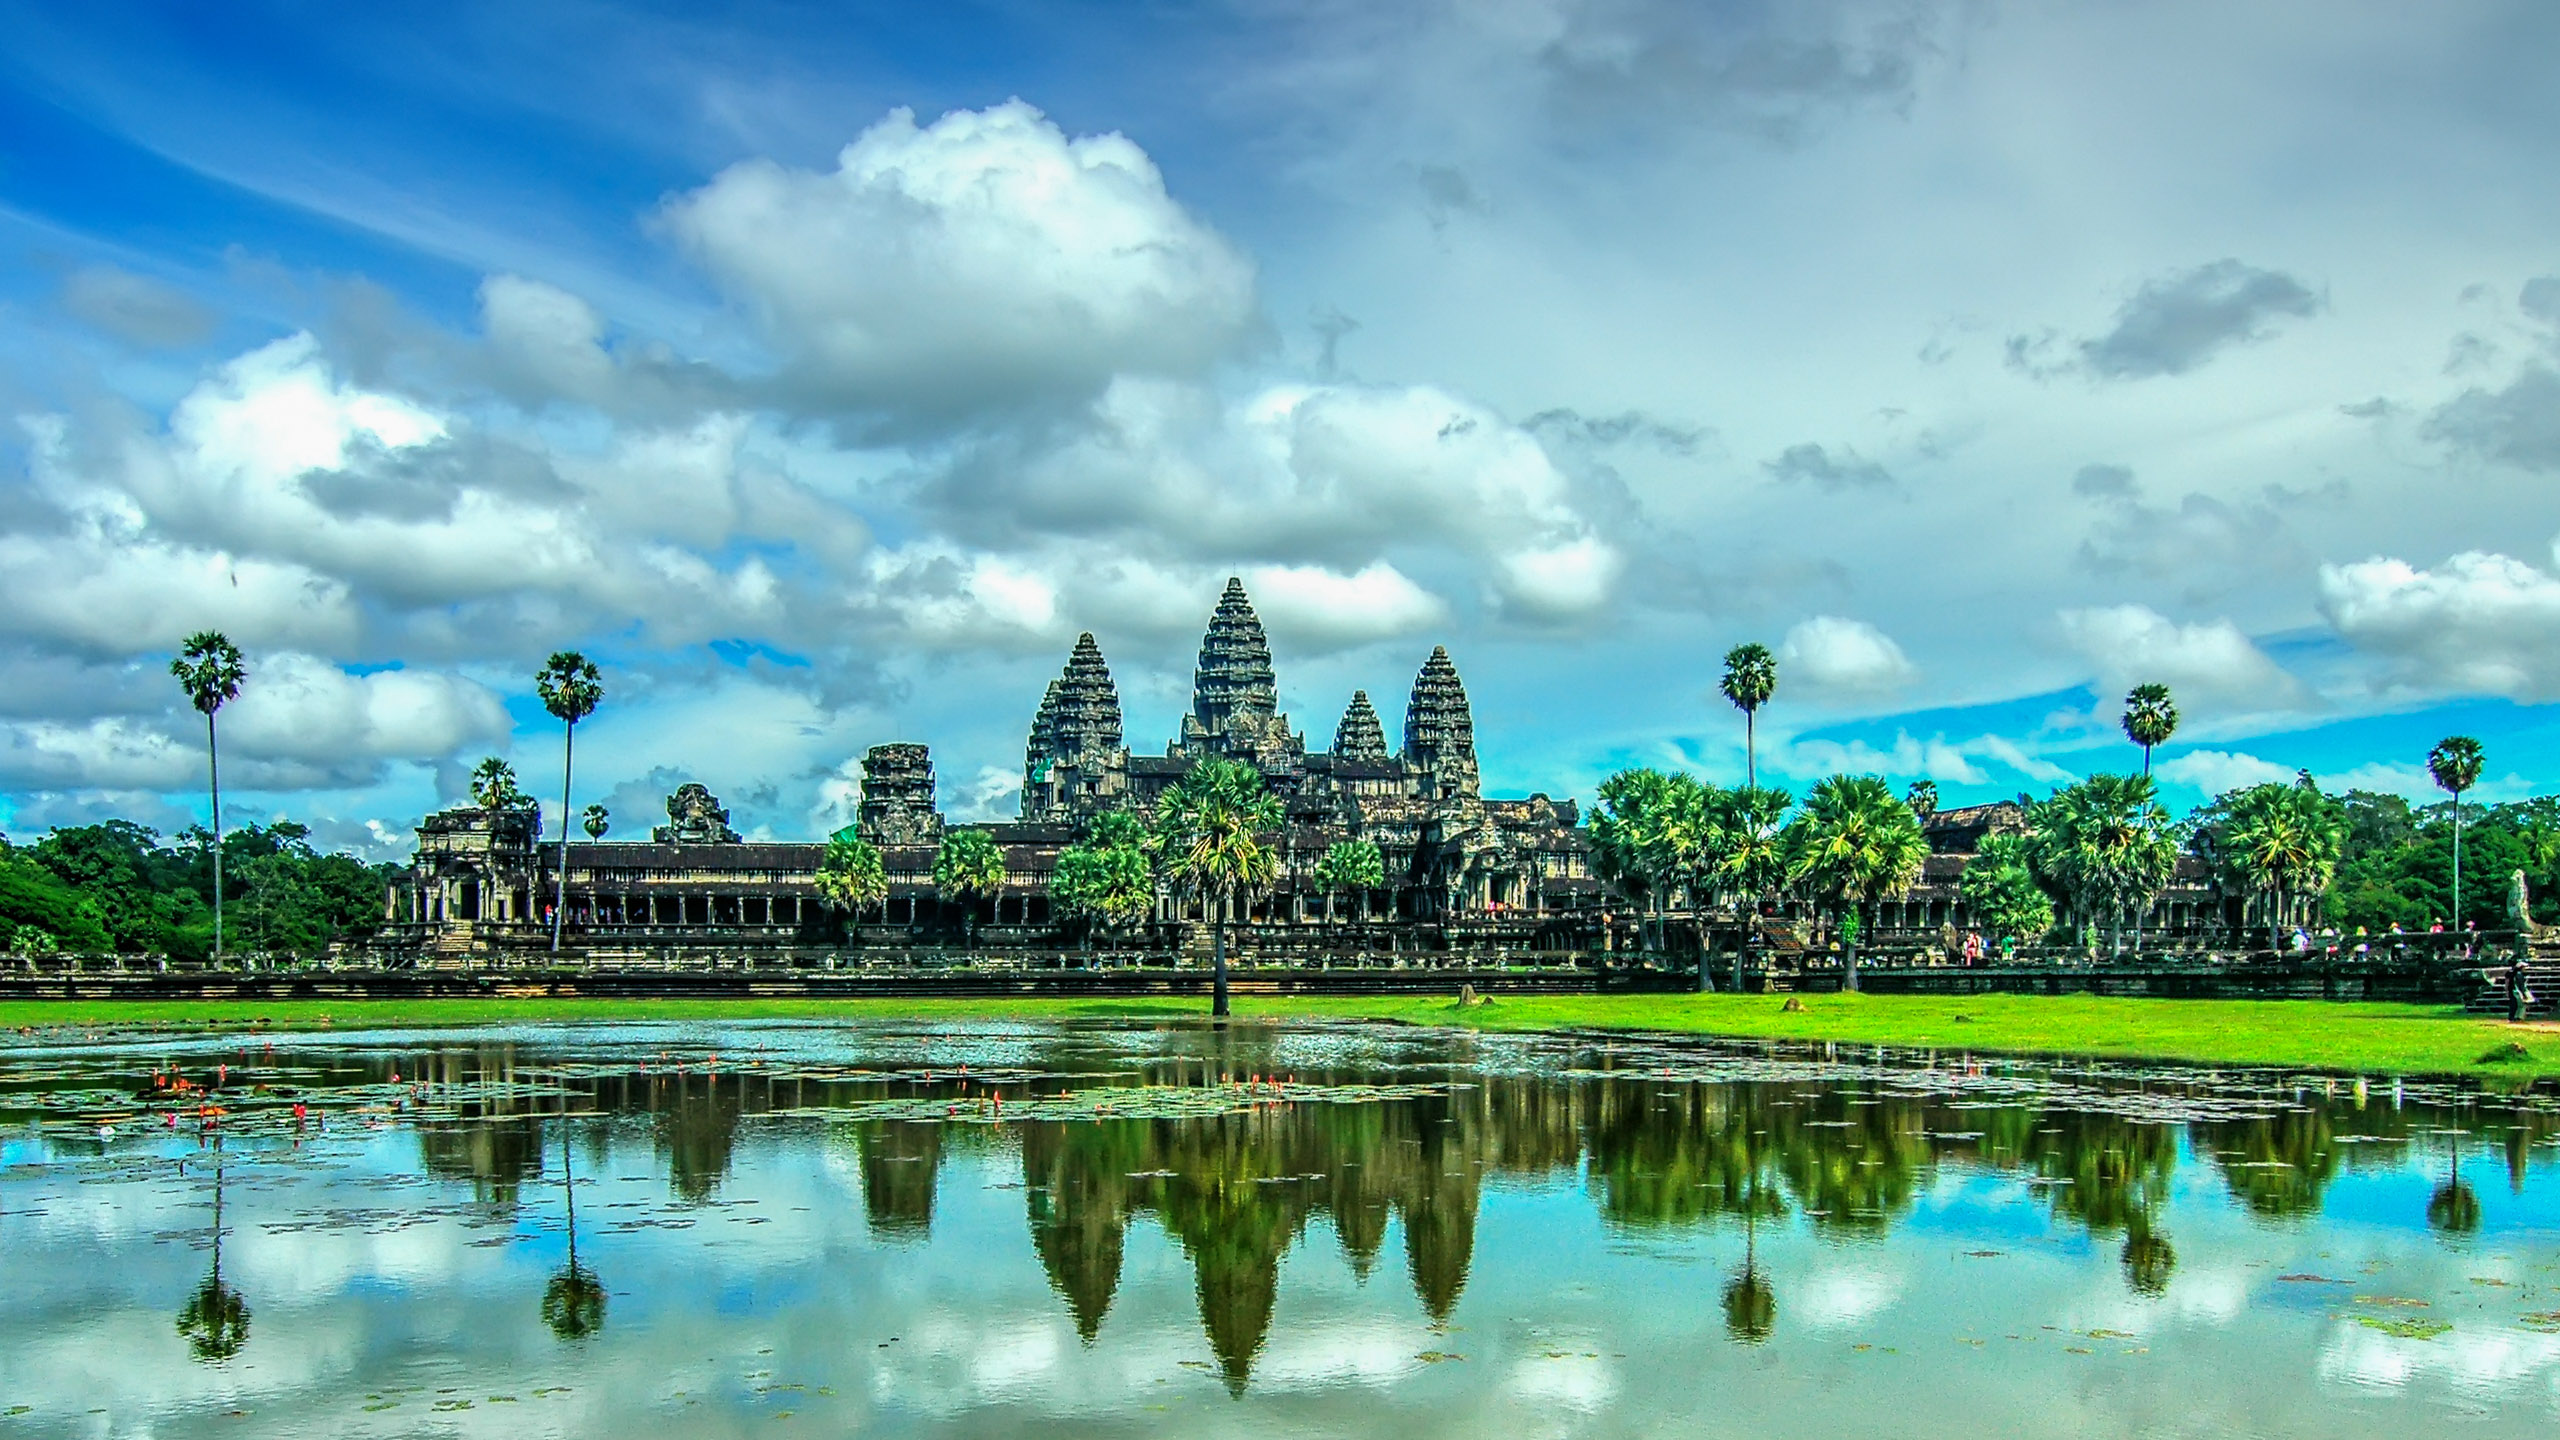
(2379, 1039)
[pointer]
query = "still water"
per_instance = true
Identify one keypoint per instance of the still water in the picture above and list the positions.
(786, 1229)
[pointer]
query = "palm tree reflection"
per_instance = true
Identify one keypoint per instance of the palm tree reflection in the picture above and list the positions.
(2454, 1207)
(573, 1303)
(215, 1319)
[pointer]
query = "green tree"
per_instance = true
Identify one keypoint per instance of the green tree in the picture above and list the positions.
(598, 820)
(1743, 856)
(851, 877)
(2107, 845)
(2455, 763)
(2282, 844)
(209, 668)
(1209, 829)
(1853, 843)
(1922, 797)
(1999, 890)
(2150, 718)
(969, 866)
(1750, 678)
(39, 913)
(1352, 867)
(571, 689)
(1107, 883)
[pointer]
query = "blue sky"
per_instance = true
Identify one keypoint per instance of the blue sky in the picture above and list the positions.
(824, 369)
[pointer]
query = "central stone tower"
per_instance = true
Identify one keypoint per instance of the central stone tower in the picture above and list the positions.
(1235, 702)
(1074, 762)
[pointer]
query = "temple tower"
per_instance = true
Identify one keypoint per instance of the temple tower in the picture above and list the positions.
(1235, 701)
(1440, 732)
(897, 797)
(1359, 736)
(1074, 760)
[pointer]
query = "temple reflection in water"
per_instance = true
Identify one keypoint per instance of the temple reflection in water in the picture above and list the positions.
(1843, 1156)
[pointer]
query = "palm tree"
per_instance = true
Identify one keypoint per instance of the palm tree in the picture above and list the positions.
(571, 689)
(2455, 764)
(1922, 797)
(969, 865)
(573, 1303)
(598, 821)
(1626, 838)
(1208, 839)
(1999, 890)
(851, 877)
(1352, 867)
(2106, 843)
(1851, 845)
(1106, 884)
(2150, 718)
(215, 1319)
(2282, 841)
(210, 669)
(494, 787)
(1750, 678)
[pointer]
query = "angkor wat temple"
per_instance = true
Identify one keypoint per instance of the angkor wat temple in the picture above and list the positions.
(1462, 872)
(1500, 873)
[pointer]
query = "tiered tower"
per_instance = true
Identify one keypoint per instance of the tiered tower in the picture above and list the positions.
(1074, 759)
(1235, 702)
(897, 797)
(1359, 736)
(1440, 732)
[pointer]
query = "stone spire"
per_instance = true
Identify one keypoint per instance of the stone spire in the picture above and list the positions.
(1084, 709)
(1235, 702)
(1439, 731)
(1359, 736)
(1234, 678)
(1073, 758)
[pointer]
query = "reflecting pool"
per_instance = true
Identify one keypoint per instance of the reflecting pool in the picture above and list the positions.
(1325, 1229)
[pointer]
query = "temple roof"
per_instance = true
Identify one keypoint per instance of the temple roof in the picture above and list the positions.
(1359, 736)
(1234, 676)
(1079, 719)
(1439, 730)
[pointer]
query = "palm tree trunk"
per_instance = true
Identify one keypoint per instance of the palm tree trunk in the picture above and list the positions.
(1849, 955)
(1751, 749)
(560, 882)
(213, 765)
(1218, 963)
(2457, 857)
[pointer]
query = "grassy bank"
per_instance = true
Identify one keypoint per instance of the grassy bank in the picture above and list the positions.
(2379, 1039)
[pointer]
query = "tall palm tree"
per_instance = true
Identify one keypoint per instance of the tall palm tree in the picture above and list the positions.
(969, 865)
(571, 689)
(2455, 764)
(1852, 844)
(2282, 841)
(1750, 678)
(210, 669)
(2106, 843)
(1922, 797)
(1208, 840)
(494, 787)
(1626, 838)
(2150, 718)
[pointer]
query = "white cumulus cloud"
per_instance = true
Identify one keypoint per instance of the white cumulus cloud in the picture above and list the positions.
(2209, 665)
(2481, 624)
(980, 259)
(1831, 657)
